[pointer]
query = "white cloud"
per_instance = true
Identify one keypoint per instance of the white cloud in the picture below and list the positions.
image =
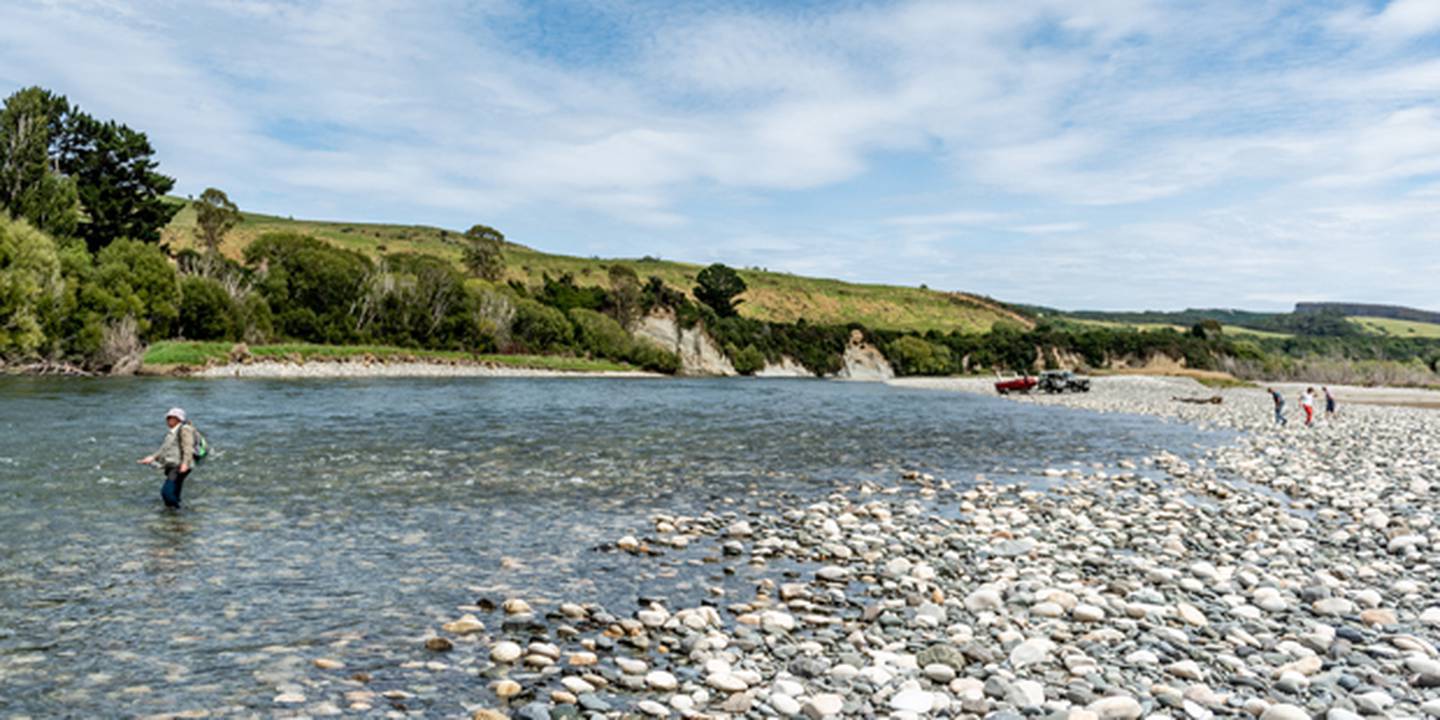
(946, 134)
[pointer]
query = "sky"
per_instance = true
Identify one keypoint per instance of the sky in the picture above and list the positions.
(1097, 154)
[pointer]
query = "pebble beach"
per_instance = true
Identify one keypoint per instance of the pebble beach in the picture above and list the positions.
(1289, 574)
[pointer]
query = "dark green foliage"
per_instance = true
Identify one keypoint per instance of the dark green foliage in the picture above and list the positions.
(1207, 329)
(819, 348)
(135, 279)
(540, 328)
(747, 360)
(600, 335)
(717, 286)
(31, 187)
(314, 289)
(120, 191)
(206, 311)
(1326, 322)
(649, 356)
(483, 252)
(418, 301)
(656, 294)
(912, 355)
(562, 293)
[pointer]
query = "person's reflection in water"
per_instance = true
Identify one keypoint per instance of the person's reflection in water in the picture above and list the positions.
(169, 538)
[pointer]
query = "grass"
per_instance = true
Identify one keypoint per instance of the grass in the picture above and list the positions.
(1397, 328)
(172, 353)
(773, 296)
(1145, 327)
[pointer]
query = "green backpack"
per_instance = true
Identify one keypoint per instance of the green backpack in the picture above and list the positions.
(202, 446)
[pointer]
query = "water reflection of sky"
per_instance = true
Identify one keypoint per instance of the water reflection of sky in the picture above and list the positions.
(352, 516)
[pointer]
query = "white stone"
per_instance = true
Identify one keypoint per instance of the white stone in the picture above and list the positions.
(1285, 711)
(823, 705)
(913, 700)
(982, 600)
(1034, 650)
(661, 680)
(1047, 610)
(466, 625)
(1116, 707)
(505, 652)
(652, 708)
(785, 705)
(1087, 613)
(726, 682)
(576, 685)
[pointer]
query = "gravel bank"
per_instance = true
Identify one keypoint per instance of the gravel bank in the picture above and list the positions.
(327, 369)
(1290, 575)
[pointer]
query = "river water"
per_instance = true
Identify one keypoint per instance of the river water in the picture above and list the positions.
(350, 518)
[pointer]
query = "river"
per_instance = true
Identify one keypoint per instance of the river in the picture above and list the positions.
(350, 518)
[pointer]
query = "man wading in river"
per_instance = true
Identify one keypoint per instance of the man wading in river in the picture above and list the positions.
(175, 456)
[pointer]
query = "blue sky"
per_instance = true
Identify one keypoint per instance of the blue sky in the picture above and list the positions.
(1119, 154)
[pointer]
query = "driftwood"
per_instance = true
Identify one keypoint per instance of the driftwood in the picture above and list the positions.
(1212, 400)
(46, 368)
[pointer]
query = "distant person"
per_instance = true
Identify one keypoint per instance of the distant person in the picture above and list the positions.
(1307, 401)
(1279, 406)
(175, 457)
(1329, 403)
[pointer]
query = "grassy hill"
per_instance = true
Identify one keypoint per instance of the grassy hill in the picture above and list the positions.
(1145, 326)
(772, 296)
(1397, 328)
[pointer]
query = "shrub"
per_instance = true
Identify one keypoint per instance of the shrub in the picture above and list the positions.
(600, 335)
(652, 357)
(314, 289)
(912, 355)
(31, 288)
(135, 279)
(747, 360)
(206, 310)
(539, 328)
(562, 293)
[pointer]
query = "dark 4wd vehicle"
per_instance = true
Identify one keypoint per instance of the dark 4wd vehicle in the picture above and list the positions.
(1059, 381)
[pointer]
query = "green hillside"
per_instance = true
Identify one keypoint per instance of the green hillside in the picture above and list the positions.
(1397, 328)
(772, 296)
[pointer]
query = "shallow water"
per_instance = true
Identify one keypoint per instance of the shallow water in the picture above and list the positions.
(348, 518)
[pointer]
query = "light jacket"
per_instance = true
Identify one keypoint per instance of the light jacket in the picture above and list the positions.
(178, 448)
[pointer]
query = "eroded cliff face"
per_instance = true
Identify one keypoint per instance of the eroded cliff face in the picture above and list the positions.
(699, 355)
(864, 361)
(787, 367)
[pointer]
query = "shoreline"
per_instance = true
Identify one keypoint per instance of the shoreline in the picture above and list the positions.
(337, 369)
(1283, 576)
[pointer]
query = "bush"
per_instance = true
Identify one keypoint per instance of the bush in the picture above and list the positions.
(911, 355)
(135, 279)
(747, 360)
(654, 358)
(31, 289)
(600, 335)
(539, 328)
(314, 289)
(562, 293)
(255, 323)
(206, 311)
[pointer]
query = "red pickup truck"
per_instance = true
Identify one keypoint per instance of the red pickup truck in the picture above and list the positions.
(1022, 384)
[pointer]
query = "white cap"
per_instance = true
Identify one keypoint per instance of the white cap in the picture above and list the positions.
(176, 413)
